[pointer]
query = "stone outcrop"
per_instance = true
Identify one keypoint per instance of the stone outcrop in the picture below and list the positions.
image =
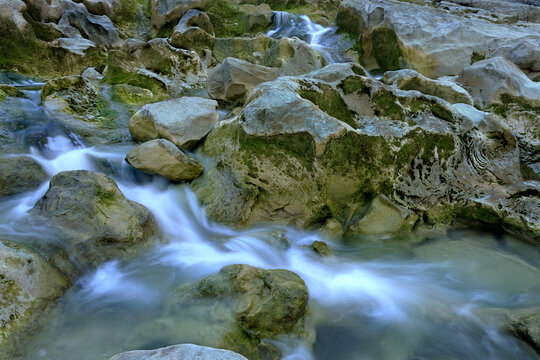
(183, 121)
(161, 157)
(304, 151)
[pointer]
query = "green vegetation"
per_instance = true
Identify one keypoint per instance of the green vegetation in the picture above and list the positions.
(330, 101)
(475, 57)
(385, 48)
(355, 84)
(387, 105)
(511, 103)
(420, 105)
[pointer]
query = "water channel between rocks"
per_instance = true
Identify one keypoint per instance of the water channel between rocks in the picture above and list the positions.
(418, 296)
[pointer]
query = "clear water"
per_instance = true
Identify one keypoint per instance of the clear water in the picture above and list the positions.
(419, 296)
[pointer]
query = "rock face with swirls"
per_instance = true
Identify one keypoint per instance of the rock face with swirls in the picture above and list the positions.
(322, 146)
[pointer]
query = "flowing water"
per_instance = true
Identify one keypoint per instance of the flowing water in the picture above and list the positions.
(417, 296)
(331, 45)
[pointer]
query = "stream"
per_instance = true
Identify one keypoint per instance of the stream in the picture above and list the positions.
(416, 296)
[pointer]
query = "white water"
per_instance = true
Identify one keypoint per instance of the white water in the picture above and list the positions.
(321, 38)
(399, 298)
(386, 299)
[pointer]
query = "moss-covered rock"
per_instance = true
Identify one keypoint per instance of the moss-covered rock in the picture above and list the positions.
(92, 218)
(28, 288)
(305, 150)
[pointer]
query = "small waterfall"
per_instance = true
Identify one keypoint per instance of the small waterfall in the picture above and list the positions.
(325, 40)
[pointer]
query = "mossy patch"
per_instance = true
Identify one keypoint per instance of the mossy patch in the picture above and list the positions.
(387, 105)
(127, 19)
(328, 100)
(527, 173)
(385, 48)
(229, 20)
(475, 57)
(511, 103)
(421, 104)
(355, 84)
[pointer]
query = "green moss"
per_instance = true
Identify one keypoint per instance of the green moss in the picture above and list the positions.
(354, 84)
(387, 105)
(229, 20)
(536, 78)
(420, 105)
(127, 17)
(330, 101)
(481, 213)
(118, 75)
(475, 57)
(418, 143)
(133, 95)
(280, 150)
(527, 173)
(385, 48)
(511, 103)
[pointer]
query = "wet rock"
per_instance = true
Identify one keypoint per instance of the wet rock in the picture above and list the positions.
(443, 88)
(234, 79)
(9, 91)
(177, 352)
(28, 288)
(256, 304)
(527, 328)
(154, 65)
(293, 56)
(78, 104)
(383, 218)
(132, 95)
(19, 174)
(396, 34)
(93, 218)
(164, 12)
(184, 121)
(321, 248)
(163, 158)
(304, 150)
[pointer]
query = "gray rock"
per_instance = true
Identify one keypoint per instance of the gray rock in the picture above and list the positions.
(19, 174)
(166, 11)
(93, 218)
(103, 7)
(418, 35)
(180, 352)
(443, 88)
(184, 121)
(28, 288)
(163, 158)
(234, 79)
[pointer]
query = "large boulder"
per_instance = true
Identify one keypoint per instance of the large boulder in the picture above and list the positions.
(234, 79)
(92, 218)
(308, 149)
(28, 288)
(183, 121)
(527, 328)
(180, 352)
(163, 158)
(437, 40)
(19, 174)
(246, 305)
